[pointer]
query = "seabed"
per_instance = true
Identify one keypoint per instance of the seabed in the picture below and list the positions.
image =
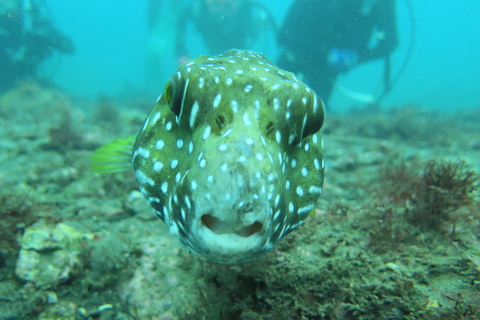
(395, 234)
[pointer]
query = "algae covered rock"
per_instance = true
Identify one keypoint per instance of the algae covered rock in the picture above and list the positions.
(50, 254)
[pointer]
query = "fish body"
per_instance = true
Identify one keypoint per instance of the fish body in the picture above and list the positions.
(230, 156)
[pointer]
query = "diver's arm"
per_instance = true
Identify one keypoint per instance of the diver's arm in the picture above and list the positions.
(386, 32)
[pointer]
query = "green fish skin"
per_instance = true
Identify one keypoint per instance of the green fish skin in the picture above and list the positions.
(230, 156)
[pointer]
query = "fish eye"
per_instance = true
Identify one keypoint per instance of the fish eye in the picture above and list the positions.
(270, 127)
(167, 92)
(173, 98)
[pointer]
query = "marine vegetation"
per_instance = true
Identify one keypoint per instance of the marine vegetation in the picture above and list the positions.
(411, 202)
(444, 187)
(430, 198)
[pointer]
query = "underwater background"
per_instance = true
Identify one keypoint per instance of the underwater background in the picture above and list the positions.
(442, 72)
(394, 235)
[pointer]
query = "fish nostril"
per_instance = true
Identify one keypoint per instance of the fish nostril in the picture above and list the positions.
(220, 121)
(270, 127)
(219, 227)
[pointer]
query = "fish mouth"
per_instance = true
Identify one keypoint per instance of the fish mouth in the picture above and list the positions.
(220, 227)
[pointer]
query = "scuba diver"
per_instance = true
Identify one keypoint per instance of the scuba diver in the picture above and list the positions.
(27, 38)
(324, 38)
(223, 25)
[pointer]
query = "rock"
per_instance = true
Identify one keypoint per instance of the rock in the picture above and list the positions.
(50, 254)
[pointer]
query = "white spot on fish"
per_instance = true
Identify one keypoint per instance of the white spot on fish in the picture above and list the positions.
(193, 113)
(276, 103)
(239, 71)
(304, 172)
(190, 147)
(305, 209)
(193, 185)
(300, 191)
(229, 81)
(226, 133)
(315, 189)
(157, 166)
(248, 88)
(246, 119)
(206, 132)
(179, 144)
(291, 138)
(276, 86)
(145, 153)
(234, 105)
(164, 187)
(143, 179)
(216, 101)
(315, 103)
(174, 163)
(155, 118)
(168, 126)
(278, 136)
(159, 145)
(189, 206)
(289, 103)
(201, 82)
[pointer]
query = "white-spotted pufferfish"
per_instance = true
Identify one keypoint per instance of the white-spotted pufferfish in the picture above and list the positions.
(230, 156)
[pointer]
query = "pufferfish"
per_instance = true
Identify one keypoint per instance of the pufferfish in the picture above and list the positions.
(230, 156)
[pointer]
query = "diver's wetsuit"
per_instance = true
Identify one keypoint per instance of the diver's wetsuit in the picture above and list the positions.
(221, 32)
(27, 38)
(313, 27)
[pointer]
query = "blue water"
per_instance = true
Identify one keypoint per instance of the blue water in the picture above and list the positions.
(111, 41)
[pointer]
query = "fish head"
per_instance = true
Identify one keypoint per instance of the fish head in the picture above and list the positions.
(230, 157)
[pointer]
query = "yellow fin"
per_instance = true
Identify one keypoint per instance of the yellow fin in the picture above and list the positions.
(115, 156)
